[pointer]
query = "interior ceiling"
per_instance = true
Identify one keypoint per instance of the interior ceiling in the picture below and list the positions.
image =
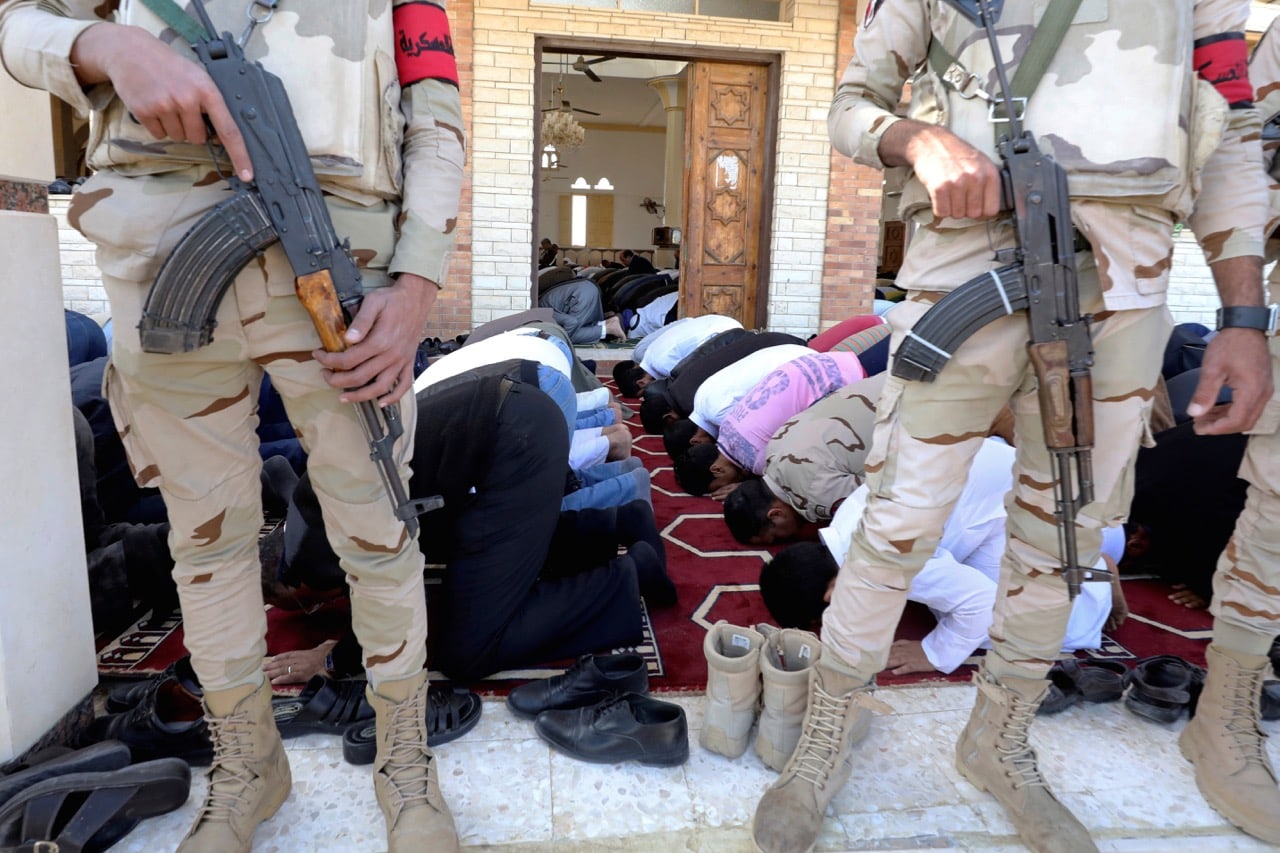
(622, 97)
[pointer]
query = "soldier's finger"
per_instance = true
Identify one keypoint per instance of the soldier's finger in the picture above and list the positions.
(1206, 393)
(171, 124)
(403, 383)
(991, 196)
(228, 134)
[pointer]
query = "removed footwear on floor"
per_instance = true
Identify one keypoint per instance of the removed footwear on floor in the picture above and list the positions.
(1083, 680)
(1162, 687)
(86, 800)
(630, 727)
(451, 713)
(593, 679)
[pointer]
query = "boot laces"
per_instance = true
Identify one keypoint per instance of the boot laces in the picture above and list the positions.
(1014, 745)
(820, 742)
(1248, 741)
(408, 760)
(230, 777)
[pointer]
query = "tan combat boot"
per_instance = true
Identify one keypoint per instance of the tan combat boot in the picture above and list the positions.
(404, 771)
(249, 779)
(993, 753)
(733, 687)
(838, 715)
(785, 661)
(1228, 749)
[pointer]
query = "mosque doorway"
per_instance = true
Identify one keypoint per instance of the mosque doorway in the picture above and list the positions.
(676, 163)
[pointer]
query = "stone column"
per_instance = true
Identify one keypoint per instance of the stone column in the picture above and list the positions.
(673, 91)
(47, 664)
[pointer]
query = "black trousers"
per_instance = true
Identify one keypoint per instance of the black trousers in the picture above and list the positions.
(498, 608)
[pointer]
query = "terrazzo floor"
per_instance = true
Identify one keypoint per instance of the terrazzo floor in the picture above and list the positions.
(1122, 776)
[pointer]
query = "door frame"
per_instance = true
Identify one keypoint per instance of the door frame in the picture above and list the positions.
(770, 60)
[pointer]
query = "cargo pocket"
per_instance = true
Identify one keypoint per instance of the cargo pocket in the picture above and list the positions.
(142, 463)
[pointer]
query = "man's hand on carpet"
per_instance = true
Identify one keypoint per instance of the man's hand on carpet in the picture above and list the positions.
(1187, 598)
(907, 656)
(722, 494)
(299, 666)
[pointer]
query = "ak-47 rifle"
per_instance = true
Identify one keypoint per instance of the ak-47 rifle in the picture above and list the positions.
(1041, 280)
(283, 203)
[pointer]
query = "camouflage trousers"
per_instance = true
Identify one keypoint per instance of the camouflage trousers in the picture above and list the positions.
(1246, 585)
(188, 424)
(925, 438)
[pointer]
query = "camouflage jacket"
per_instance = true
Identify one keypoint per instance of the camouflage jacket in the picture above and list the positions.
(1120, 106)
(371, 144)
(1264, 74)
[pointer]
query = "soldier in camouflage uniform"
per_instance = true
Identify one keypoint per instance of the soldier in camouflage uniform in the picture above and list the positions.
(1147, 142)
(374, 89)
(1223, 739)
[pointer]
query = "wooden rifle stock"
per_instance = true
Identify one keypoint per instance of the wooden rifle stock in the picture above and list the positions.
(381, 425)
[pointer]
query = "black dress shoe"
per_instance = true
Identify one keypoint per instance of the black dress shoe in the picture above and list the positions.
(127, 696)
(451, 713)
(631, 727)
(324, 707)
(167, 723)
(590, 681)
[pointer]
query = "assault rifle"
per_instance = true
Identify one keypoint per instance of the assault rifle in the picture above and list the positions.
(1041, 280)
(283, 203)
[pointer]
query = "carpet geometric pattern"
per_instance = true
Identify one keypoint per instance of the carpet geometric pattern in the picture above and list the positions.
(716, 578)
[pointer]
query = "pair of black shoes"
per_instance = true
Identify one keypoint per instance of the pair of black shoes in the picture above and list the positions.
(1160, 688)
(86, 800)
(599, 710)
(164, 717)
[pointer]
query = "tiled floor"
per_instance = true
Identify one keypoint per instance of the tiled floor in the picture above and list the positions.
(1122, 775)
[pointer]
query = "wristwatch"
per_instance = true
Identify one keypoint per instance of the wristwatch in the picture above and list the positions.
(1262, 319)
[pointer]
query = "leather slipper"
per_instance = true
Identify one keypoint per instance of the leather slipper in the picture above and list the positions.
(1083, 680)
(88, 812)
(451, 713)
(324, 707)
(1161, 687)
(60, 761)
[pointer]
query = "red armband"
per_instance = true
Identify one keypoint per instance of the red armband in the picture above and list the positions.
(424, 45)
(1223, 60)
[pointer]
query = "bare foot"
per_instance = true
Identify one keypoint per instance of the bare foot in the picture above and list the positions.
(1119, 605)
(613, 329)
(1187, 598)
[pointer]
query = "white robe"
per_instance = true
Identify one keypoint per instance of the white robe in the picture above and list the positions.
(958, 583)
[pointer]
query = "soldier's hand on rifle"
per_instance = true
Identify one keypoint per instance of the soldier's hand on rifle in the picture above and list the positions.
(382, 341)
(168, 94)
(1239, 359)
(961, 180)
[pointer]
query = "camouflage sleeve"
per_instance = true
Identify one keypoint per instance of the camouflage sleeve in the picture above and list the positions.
(889, 47)
(35, 45)
(434, 148)
(1231, 208)
(1264, 74)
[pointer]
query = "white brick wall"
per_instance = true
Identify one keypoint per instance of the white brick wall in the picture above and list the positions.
(81, 281)
(501, 165)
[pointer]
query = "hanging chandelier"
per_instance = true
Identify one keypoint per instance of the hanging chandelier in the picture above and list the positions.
(561, 129)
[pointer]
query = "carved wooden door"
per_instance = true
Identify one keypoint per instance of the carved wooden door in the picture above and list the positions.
(726, 153)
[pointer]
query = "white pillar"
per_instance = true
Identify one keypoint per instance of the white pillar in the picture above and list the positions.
(673, 91)
(47, 663)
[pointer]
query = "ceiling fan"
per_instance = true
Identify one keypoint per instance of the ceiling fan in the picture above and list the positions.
(565, 106)
(584, 65)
